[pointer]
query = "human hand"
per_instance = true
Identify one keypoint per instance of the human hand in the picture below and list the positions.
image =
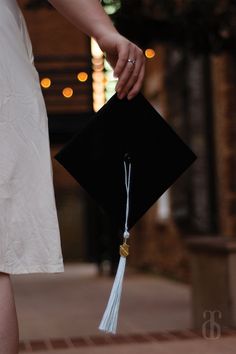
(118, 50)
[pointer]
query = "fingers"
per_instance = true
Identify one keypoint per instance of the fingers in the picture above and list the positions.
(131, 78)
(137, 86)
(136, 77)
(127, 72)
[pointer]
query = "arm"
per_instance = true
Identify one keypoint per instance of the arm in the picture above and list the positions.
(90, 18)
(87, 15)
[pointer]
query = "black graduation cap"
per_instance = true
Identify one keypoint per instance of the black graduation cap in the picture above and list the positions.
(125, 156)
(130, 129)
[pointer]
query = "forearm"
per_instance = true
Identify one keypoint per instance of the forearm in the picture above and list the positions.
(87, 15)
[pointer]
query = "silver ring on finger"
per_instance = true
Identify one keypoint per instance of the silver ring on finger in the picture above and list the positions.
(133, 61)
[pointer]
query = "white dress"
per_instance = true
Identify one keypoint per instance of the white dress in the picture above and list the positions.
(29, 229)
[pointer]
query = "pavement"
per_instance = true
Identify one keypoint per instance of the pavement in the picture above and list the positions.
(224, 345)
(60, 313)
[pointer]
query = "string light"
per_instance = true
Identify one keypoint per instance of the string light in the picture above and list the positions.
(150, 53)
(82, 76)
(67, 92)
(45, 82)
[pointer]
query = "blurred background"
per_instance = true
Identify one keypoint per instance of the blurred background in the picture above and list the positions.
(190, 79)
(190, 46)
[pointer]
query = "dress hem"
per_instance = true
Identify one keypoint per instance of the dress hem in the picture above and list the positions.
(48, 268)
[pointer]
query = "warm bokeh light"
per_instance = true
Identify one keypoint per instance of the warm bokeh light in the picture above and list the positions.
(98, 67)
(95, 49)
(97, 61)
(82, 76)
(103, 80)
(67, 92)
(98, 76)
(45, 82)
(98, 87)
(150, 53)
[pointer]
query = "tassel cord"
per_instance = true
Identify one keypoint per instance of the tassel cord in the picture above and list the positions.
(110, 316)
(127, 185)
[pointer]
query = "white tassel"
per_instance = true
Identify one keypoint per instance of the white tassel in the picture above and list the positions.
(110, 317)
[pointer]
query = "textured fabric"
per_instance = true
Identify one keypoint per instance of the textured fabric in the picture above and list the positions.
(29, 230)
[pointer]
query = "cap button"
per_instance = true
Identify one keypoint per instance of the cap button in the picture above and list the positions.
(127, 156)
(126, 234)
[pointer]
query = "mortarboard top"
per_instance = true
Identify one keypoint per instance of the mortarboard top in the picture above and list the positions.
(125, 156)
(94, 157)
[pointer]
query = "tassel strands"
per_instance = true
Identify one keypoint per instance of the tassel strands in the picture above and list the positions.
(110, 317)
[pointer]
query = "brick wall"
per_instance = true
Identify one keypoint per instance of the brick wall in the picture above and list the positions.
(224, 90)
(52, 33)
(61, 51)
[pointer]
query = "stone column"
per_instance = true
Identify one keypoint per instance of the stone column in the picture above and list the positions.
(213, 265)
(213, 259)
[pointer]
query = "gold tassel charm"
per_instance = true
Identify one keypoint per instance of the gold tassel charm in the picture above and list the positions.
(124, 249)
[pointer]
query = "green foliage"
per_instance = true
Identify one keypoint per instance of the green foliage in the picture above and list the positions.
(111, 6)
